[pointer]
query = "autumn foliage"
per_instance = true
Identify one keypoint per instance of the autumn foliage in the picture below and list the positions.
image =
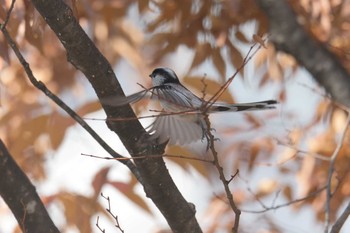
(309, 157)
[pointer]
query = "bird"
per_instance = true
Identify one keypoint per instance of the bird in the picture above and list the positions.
(182, 119)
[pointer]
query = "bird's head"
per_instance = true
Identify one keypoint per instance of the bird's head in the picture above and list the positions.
(161, 76)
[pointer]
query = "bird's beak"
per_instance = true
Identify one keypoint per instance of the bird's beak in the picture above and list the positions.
(150, 76)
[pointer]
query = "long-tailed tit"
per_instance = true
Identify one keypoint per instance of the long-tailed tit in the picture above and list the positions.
(175, 98)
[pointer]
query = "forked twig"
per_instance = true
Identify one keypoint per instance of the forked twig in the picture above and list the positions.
(109, 210)
(223, 179)
(330, 174)
(274, 207)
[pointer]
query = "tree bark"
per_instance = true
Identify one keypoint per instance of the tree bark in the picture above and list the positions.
(84, 55)
(23, 201)
(290, 37)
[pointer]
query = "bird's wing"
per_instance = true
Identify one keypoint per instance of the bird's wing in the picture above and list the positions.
(177, 95)
(177, 129)
(114, 100)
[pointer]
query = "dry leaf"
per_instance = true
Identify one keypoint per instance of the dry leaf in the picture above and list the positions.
(259, 40)
(99, 180)
(212, 87)
(219, 63)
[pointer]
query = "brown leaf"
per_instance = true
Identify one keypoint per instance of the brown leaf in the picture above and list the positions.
(128, 190)
(4, 52)
(57, 134)
(236, 57)
(219, 63)
(212, 87)
(142, 5)
(288, 193)
(265, 78)
(253, 120)
(89, 108)
(99, 180)
(185, 163)
(121, 186)
(259, 40)
(266, 187)
(34, 27)
(240, 36)
(79, 210)
(202, 52)
(282, 95)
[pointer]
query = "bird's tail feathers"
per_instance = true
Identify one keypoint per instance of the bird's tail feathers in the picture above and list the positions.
(261, 105)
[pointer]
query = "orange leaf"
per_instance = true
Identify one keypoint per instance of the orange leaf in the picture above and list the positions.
(100, 179)
(259, 40)
(184, 163)
(236, 57)
(287, 192)
(219, 63)
(202, 53)
(128, 190)
(212, 87)
(89, 108)
(240, 36)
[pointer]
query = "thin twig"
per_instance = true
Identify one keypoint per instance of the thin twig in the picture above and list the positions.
(98, 225)
(274, 207)
(297, 150)
(341, 220)
(23, 220)
(7, 18)
(330, 174)
(211, 139)
(223, 179)
(109, 210)
(151, 156)
(326, 96)
(246, 59)
(162, 114)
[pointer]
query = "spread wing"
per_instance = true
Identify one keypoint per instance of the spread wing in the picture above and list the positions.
(176, 97)
(114, 100)
(177, 129)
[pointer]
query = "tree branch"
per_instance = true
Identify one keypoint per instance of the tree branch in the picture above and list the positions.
(24, 202)
(84, 55)
(289, 36)
(331, 171)
(41, 86)
(341, 220)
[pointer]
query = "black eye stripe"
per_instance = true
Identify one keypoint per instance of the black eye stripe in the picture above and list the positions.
(168, 74)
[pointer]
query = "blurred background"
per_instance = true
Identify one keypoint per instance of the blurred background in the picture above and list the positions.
(282, 154)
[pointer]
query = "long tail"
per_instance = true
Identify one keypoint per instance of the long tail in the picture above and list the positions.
(262, 105)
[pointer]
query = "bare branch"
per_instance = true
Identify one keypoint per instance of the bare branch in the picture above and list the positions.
(24, 201)
(225, 182)
(330, 174)
(109, 210)
(289, 36)
(274, 207)
(341, 220)
(246, 59)
(41, 86)
(98, 225)
(84, 55)
(8, 14)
